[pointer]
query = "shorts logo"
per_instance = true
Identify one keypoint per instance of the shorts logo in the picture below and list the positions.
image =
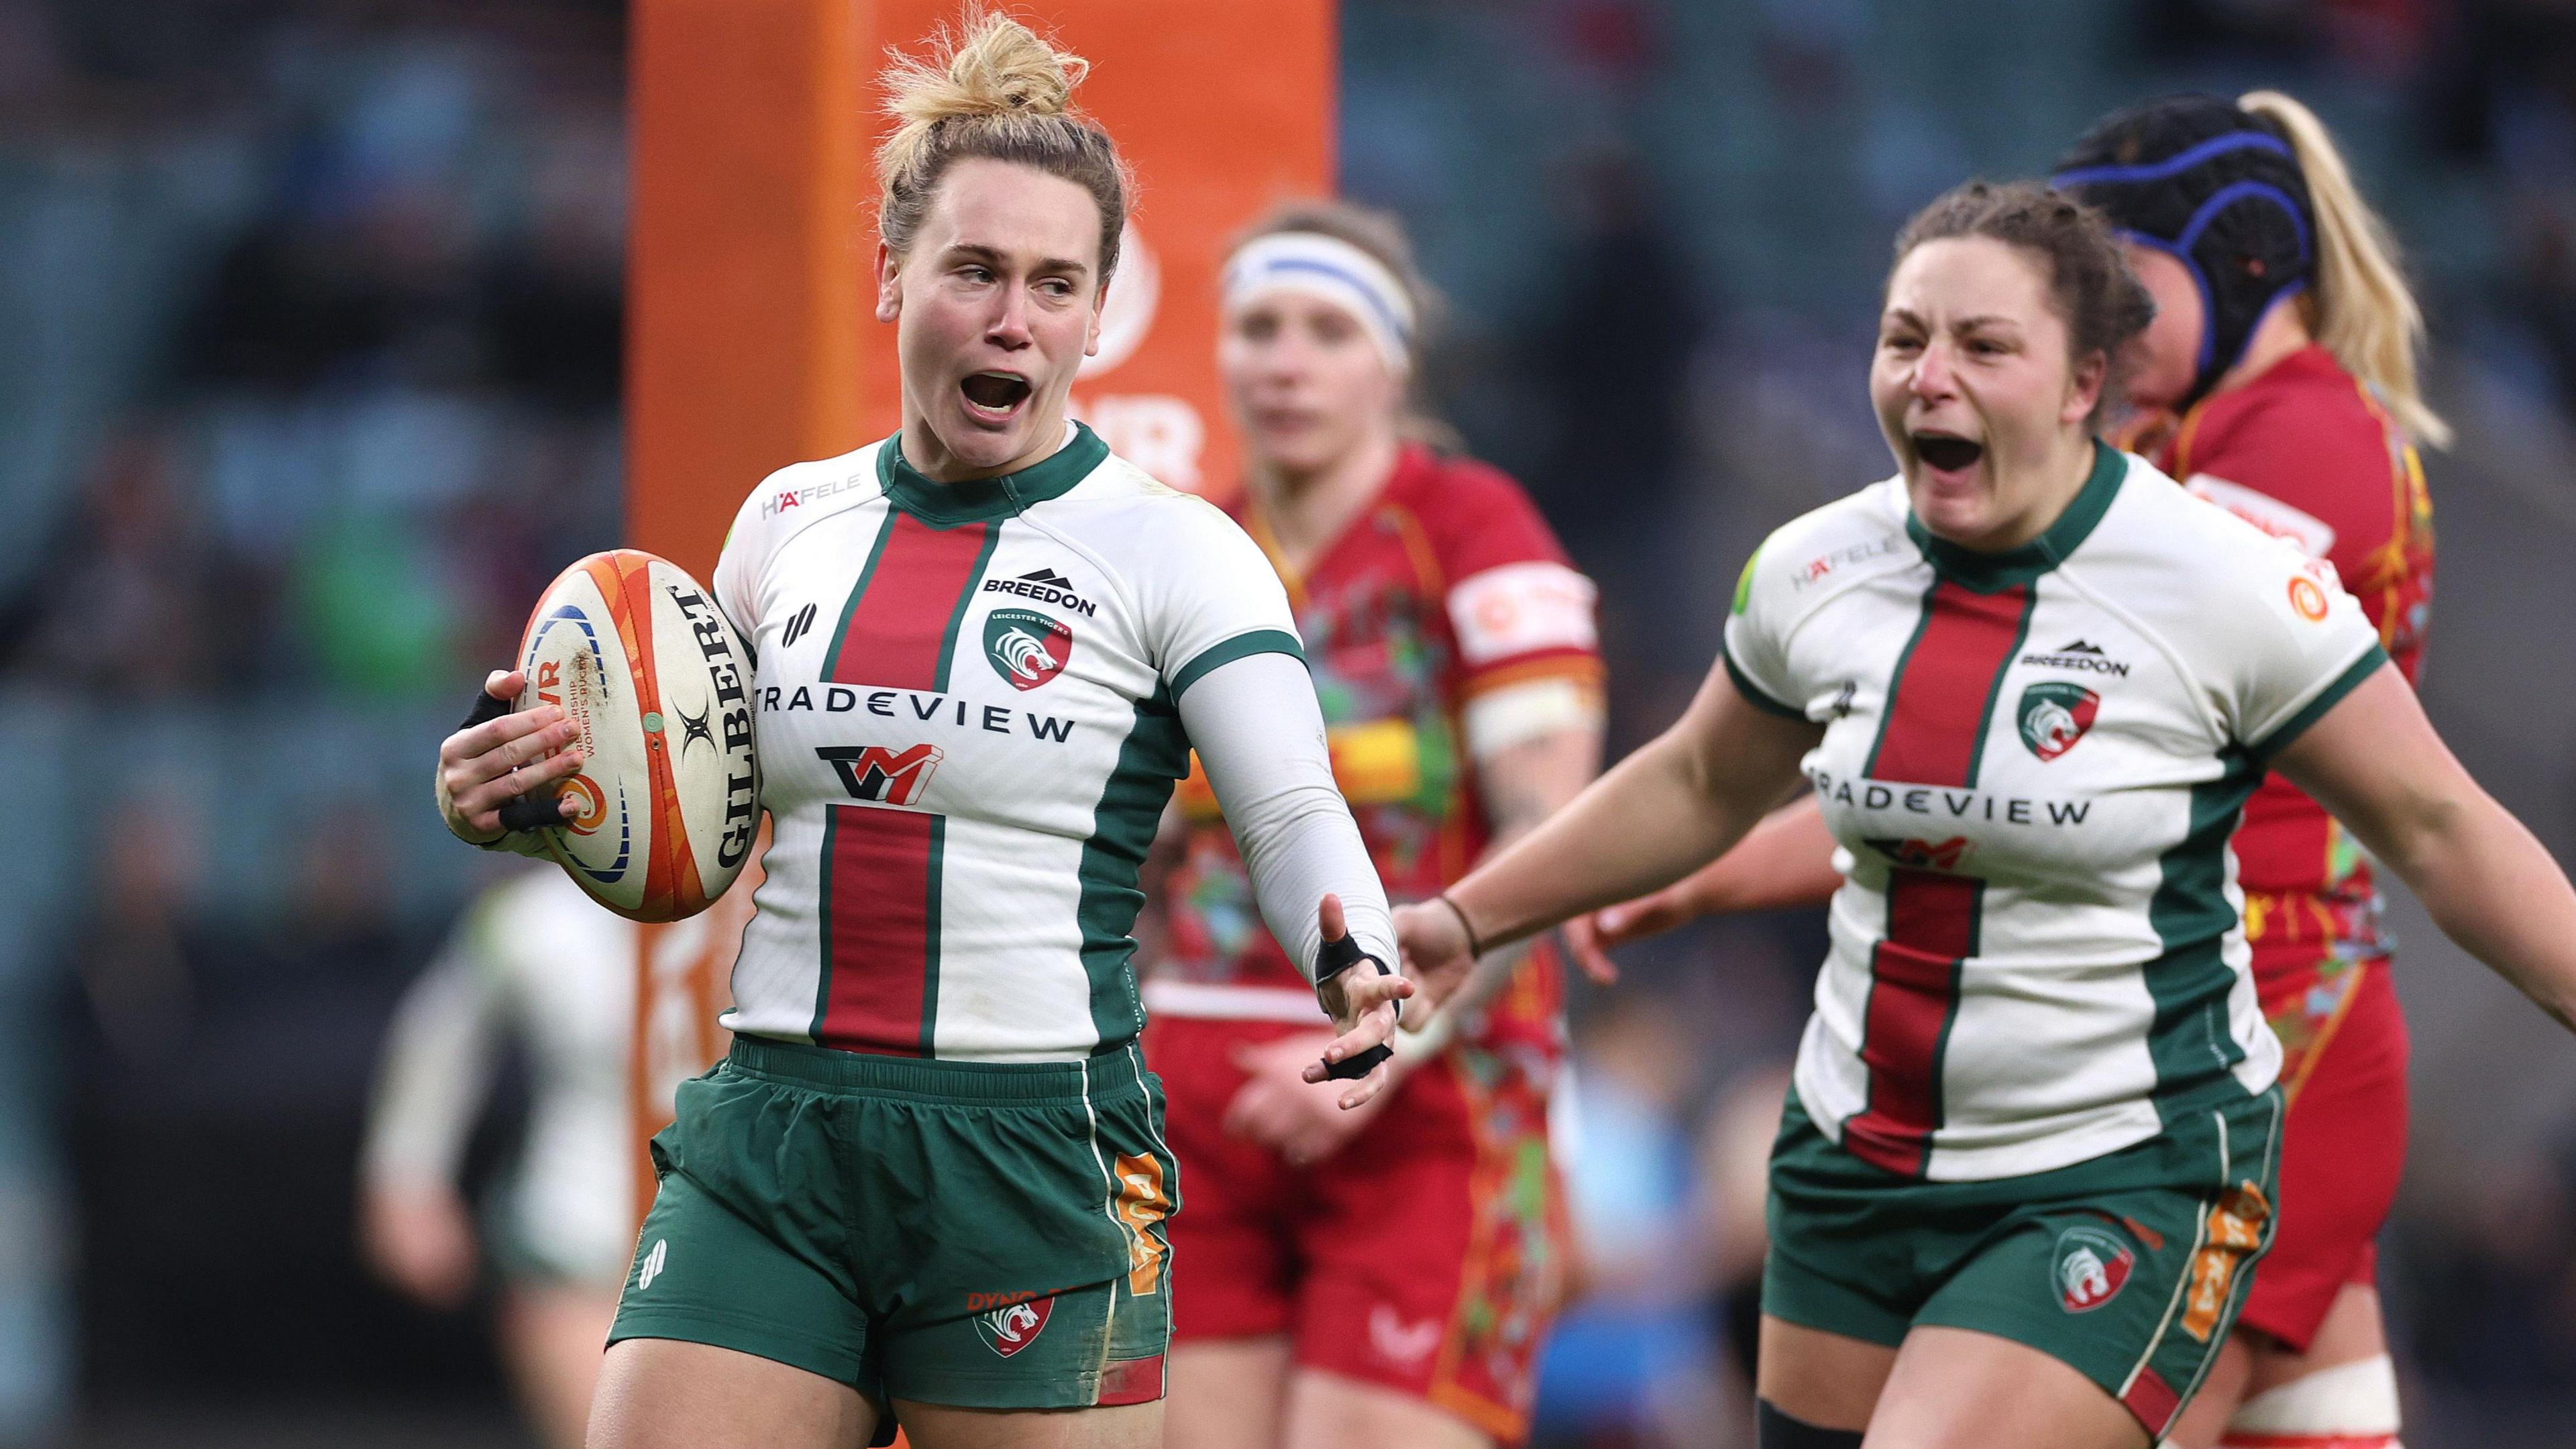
(2091, 1266)
(873, 772)
(1142, 1206)
(1009, 1329)
(2234, 1232)
(652, 1266)
(1027, 648)
(1398, 1342)
(2054, 715)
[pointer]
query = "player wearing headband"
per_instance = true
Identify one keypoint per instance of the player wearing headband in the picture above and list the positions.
(929, 1180)
(2278, 381)
(1454, 651)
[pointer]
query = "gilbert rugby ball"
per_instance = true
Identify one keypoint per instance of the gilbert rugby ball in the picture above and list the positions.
(645, 665)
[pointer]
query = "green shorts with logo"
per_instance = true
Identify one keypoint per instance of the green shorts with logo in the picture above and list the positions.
(962, 1233)
(2130, 1266)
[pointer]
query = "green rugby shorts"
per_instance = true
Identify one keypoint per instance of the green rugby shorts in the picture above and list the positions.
(2130, 1266)
(961, 1233)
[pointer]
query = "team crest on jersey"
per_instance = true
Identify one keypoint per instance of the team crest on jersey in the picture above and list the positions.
(1027, 648)
(2090, 1267)
(2054, 715)
(1008, 1329)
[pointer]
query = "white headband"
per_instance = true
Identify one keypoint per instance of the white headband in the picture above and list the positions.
(1326, 267)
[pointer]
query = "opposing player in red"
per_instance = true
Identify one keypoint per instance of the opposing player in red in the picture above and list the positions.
(2277, 381)
(1454, 651)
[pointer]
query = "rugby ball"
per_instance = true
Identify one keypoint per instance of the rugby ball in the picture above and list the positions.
(645, 665)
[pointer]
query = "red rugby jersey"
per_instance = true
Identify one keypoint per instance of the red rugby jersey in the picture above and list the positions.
(1449, 584)
(2306, 452)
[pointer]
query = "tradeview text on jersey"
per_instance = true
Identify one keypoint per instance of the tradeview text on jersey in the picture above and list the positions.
(2031, 763)
(968, 723)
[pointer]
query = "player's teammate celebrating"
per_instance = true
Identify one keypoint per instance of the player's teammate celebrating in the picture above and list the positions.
(2278, 381)
(1454, 650)
(2030, 1158)
(930, 1176)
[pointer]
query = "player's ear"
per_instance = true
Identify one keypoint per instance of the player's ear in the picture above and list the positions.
(1099, 309)
(2084, 386)
(889, 284)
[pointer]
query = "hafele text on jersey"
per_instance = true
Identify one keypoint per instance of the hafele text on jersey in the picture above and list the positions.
(1946, 803)
(787, 498)
(916, 706)
(733, 708)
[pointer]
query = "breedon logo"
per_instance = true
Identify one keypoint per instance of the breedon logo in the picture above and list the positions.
(1027, 648)
(2054, 715)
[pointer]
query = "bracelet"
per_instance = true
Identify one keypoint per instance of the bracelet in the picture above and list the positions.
(1475, 948)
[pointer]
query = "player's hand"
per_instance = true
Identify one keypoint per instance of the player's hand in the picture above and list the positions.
(421, 1241)
(1278, 1108)
(1362, 1002)
(484, 765)
(1583, 938)
(1434, 946)
(1595, 935)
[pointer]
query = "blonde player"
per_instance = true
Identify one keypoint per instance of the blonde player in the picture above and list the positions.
(1454, 651)
(929, 1181)
(2031, 1157)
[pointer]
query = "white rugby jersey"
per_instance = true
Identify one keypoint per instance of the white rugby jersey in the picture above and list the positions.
(538, 960)
(2032, 763)
(968, 725)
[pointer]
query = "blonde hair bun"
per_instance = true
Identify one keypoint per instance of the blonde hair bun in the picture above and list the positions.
(992, 87)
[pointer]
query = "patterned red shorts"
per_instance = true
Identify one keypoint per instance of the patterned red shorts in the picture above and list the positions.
(1448, 1299)
(2344, 1144)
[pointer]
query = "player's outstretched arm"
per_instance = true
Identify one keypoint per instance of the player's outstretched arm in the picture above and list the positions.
(1260, 734)
(1786, 860)
(1681, 800)
(2376, 763)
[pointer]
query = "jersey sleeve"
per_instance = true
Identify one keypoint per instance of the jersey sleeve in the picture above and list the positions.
(438, 1057)
(2297, 644)
(1518, 608)
(1209, 596)
(1754, 646)
(739, 568)
(1260, 734)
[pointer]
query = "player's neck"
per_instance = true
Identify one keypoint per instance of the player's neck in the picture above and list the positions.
(1307, 510)
(2283, 330)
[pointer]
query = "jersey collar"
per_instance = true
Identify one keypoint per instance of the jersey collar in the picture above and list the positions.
(982, 500)
(1986, 573)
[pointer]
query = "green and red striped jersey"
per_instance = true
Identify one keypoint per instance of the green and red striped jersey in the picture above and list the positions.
(2032, 762)
(969, 721)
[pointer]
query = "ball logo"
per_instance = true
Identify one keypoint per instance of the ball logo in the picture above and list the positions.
(2054, 715)
(2308, 599)
(2092, 1265)
(1027, 648)
(1008, 1330)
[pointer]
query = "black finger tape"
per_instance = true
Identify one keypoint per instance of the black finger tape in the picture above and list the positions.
(1339, 955)
(486, 709)
(530, 812)
(1357, 1064)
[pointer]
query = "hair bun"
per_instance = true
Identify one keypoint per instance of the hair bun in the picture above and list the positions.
(996, 67)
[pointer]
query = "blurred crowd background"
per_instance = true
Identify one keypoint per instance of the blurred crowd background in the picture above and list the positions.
(309, 371)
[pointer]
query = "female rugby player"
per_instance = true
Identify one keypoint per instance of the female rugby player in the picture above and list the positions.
(2278, 381)
(1454, 651)
(536, 960)
(929, 1180)
(2031, 1154)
